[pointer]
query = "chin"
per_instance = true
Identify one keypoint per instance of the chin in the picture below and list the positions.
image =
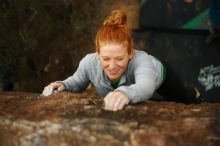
(112, 78)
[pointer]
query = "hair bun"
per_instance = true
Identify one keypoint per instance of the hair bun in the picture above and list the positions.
(117, 17)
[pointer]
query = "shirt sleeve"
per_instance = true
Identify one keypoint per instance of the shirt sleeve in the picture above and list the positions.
(145, 79)
(80, 79)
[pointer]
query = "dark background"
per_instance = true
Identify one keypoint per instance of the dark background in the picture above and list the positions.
(44, 40)
(175, 31)
(174, 14)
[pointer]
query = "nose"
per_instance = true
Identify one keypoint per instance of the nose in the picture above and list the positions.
(112, 64)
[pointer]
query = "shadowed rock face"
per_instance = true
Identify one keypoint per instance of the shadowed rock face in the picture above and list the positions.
(68, 119)
(59, 32)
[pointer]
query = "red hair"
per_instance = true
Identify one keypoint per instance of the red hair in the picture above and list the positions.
(115, 30)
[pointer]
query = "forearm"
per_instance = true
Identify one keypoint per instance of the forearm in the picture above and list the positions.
(74, 85)
(138, 92)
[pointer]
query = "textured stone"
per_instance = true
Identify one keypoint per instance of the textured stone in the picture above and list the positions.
(68, 119)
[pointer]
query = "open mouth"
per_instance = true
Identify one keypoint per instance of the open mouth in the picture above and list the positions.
(114, 72)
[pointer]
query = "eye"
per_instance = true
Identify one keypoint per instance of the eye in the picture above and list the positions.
(105, 59)
(119, 59)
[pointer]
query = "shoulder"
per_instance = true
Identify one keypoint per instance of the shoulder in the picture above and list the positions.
(91, 58)
(90, 63)
(139, 56)
(140, 60)
(138, 53)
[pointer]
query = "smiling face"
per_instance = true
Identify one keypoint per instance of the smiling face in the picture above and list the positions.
(114, 59)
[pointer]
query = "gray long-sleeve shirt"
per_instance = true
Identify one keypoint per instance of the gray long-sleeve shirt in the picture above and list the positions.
(144, 74)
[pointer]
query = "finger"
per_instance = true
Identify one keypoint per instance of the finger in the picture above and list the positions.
(121, 105)
(107, 101)
(117, 103)
(58, 86)
(55, 85)
(47, 90)
(44, 92)
(122, 101)
(61, 88)
(113, 100)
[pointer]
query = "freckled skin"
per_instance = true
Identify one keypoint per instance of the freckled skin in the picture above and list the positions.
(114, 59)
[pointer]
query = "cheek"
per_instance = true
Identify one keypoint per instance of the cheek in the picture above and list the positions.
(104, 64)
(123, 64)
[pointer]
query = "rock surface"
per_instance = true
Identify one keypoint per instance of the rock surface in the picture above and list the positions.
(68, 119)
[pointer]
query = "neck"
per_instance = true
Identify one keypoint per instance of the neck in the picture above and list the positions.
(113, 81)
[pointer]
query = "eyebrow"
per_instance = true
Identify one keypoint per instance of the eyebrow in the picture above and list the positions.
(104, 56)
(116, 56)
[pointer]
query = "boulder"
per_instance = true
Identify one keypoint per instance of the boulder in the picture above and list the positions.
(73, 119)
